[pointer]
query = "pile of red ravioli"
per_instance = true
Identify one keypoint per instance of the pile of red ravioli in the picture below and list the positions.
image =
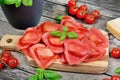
(38, 44)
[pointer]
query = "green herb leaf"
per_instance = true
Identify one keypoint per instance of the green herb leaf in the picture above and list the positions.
(65, 28)
(117, 70)
(63, 36)
(34, 77)
(1, 2)
(41, 77)
(18, 3)
(52, 75)
(40, 72)
(47, 74)
(27, 2)
(56, 33)
(72, 35)
(9, 2)
(59, 18)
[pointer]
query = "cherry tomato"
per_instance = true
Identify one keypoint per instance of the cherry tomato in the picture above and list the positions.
(6, 53)
(73, 10)
(1, 66)
(115, 78)
(115, 52)
(89, 19)
(13, 62)
(5, 59)
(81, 14)
(83, 7)
(71, 3)
(96, 13)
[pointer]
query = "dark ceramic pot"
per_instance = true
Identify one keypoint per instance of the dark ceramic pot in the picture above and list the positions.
(24, 17)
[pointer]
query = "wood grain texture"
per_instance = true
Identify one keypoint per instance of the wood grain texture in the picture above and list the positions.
(113, 4)
(97, 5)
(110, 11)
(97, 67)
(14, 74)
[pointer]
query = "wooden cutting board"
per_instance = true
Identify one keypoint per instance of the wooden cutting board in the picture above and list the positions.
(97, 67)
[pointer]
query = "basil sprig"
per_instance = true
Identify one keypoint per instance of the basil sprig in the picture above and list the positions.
(45, 74)
(64, 34)
(52, 75)
(56, 33)
(65, 29)
(17, 2)
(59, 18)
(72, 35)
(117, 70)
(27, 2)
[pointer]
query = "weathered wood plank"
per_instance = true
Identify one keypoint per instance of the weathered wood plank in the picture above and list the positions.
(14, 74)
(97, 67)
(65, 75)
(21, 75)
(54, 10)
(8, 29)
(51, 12)
(114, 63)
(103, 10)
(113, 4)
(24, 65)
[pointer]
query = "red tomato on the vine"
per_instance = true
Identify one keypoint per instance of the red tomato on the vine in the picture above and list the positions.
(73, 10)
(7, 53)
(90, 19)
(83, 7)
(115, 78)
(5, 59)
(115, 52)
(96, 13)
(72, 3)
(81, 14)
(13, 63)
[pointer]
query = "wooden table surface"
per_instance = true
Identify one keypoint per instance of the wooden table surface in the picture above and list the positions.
(109, 10)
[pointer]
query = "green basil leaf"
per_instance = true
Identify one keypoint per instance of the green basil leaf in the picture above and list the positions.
(59, 18)
(18, 3)
(56, 33)
(63, 36)
(34, 77)
(54, 79)
(40, 70)
(72, 35)
(65, 28)
(1, 2)
(57, 78)
(41, 77)
(9, 2)
(117, 70)
(27, 2)
(51, 75)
